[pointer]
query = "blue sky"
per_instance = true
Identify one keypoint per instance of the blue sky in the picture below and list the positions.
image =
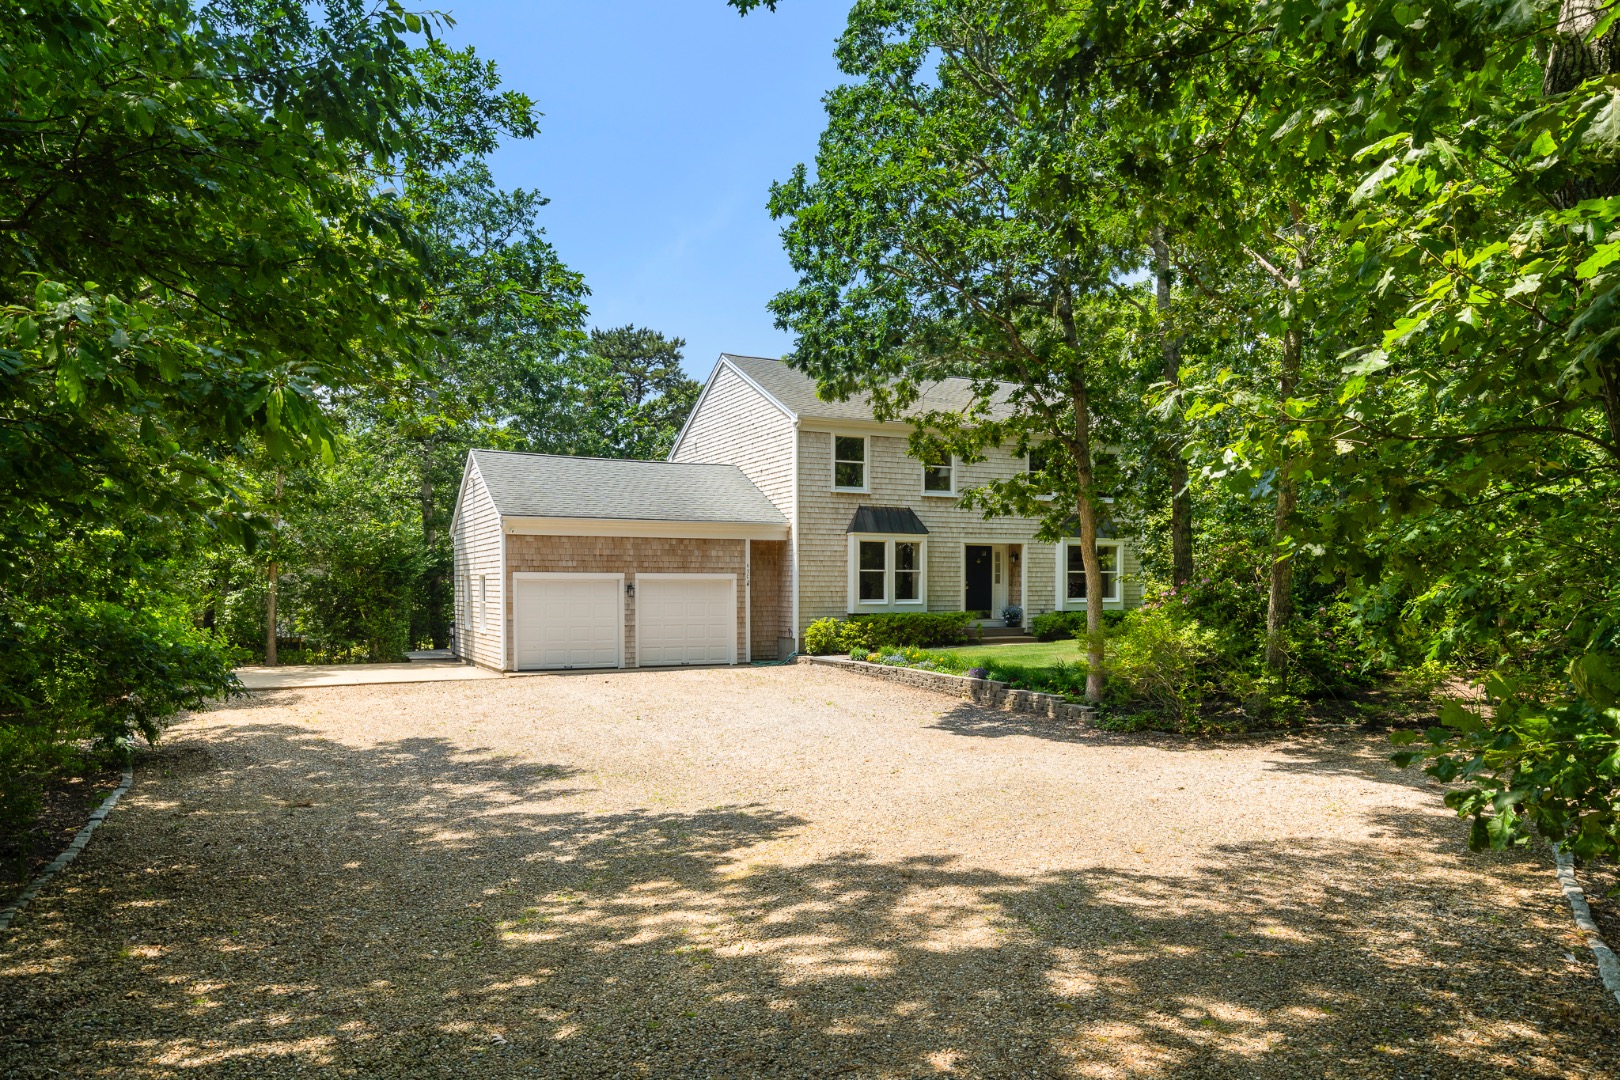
(666, 121)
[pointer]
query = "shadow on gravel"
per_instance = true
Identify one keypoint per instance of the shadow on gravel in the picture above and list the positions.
(414, 909)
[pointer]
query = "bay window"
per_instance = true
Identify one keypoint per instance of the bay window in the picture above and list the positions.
(887, 571)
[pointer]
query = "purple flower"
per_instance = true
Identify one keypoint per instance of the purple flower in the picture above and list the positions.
(977, 673)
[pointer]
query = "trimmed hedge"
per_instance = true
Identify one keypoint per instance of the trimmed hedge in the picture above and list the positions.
(917, 630)
(1058, 625)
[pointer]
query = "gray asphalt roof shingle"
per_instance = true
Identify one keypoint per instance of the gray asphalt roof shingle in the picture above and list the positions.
(797, 391)
(553, 485)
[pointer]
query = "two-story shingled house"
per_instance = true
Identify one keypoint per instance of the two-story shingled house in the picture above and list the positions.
(775, 509)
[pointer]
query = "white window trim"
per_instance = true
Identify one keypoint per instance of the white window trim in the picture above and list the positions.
(1062, 580)
(866, 462)
(481, 605)
(731, 578)
(956, 464)
(888, 603)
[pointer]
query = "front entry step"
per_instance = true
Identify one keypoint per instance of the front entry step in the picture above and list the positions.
(1004, 635)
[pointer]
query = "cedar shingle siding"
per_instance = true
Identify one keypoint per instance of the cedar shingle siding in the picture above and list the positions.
(477, 539)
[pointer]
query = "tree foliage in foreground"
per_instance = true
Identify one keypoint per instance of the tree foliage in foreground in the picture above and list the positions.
(202, 245)
(1399, 226)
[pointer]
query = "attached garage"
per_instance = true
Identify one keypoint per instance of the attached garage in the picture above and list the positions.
(686, 619)
(587, 563)
(564, 621)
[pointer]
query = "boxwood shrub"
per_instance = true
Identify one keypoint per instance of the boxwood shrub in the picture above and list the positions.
(916, 630)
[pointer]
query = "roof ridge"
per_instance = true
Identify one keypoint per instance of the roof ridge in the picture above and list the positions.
(598, 457)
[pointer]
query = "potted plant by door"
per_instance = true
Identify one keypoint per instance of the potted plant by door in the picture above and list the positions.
(1013, 615)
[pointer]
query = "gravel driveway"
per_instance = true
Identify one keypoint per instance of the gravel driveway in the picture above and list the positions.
(780, 871)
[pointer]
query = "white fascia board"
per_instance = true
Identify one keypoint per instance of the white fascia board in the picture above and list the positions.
(857, 427)
(760, 390)
(467, 470)
(702, 397)
(694, 530)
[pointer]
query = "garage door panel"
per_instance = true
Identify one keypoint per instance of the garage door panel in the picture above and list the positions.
(686, 621)
(564, 622)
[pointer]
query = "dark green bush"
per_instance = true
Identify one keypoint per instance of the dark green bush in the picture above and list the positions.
(920, 630)
(1057, 625)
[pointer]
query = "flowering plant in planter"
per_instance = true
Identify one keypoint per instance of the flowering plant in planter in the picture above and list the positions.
(1013, 615)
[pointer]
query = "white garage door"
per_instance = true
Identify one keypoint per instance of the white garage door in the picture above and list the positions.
(562, 621)
(686, 619)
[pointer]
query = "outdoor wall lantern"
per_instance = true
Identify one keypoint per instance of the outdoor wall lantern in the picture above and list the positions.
(629, 588)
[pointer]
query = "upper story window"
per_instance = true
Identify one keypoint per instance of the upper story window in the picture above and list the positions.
(849, 462)
(939, 478)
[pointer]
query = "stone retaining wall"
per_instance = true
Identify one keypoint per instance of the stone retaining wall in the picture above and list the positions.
(987, 692)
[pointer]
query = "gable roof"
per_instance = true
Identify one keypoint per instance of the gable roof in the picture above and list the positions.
(796, 392)
(558, 486)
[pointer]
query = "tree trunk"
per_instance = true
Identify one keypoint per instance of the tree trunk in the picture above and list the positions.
(270, 618)
(435, 578)
(270, 595)
(1086, 505)
(1280, 600)
(1175, 466)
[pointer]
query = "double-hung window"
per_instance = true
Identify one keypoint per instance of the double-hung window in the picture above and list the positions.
(1074, 592)
(939, 478)
(873, 572)
(483, 602)
(849, 463)
(907, 570)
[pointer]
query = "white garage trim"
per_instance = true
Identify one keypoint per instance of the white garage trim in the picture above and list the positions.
(731, 609)
(529, 575)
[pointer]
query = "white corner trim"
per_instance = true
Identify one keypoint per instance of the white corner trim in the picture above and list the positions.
(793, 539)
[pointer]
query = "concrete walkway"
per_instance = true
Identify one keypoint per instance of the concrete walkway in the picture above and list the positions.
(297, 676)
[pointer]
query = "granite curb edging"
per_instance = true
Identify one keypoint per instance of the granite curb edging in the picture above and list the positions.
(97, 816)
(1607, 963)
(988, 692)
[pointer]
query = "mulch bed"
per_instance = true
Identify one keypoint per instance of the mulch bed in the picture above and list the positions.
(67, 805)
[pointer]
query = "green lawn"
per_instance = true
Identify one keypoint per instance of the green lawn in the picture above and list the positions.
(1025, 654)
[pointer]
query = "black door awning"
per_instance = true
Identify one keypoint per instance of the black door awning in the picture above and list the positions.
(886, 519)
